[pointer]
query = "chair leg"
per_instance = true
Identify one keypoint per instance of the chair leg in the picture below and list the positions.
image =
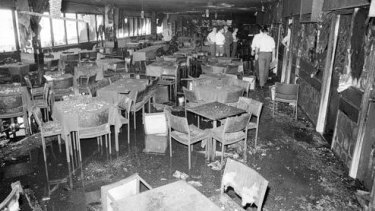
(222, 152)
(79, 148)
(134, 119)
(170, 145)
(44, 149)
(109, 143)
(273, 109)
(256, 136)
(66, 151)
(245, 150)
(143, 114)
(128, 133)
(59, 141)
(189, 156)
(296, 111)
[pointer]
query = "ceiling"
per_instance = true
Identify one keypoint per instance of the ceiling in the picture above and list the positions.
(182, 6)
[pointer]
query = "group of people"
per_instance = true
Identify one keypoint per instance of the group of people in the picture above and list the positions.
(222, 42)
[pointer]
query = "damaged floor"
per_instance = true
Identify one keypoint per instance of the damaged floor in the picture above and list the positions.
(302, 171)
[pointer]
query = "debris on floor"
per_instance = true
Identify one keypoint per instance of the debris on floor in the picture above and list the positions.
(216, 165)
(180, 175)
(195, 183)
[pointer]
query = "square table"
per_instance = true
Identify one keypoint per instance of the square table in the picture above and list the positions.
(174, 196)
(162, 68)
(113, 92)
(67, 112)
(214, 111)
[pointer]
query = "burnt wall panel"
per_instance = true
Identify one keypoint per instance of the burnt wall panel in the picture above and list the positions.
(309, 99)
(345, 138)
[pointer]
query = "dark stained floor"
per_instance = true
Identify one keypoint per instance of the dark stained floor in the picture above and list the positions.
(303, 173)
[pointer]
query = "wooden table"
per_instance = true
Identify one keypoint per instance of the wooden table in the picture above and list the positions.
(214, 111)
(146, 53)
(162, 68)
(177, 196)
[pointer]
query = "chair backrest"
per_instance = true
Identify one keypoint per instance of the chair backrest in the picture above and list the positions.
(28, 82)
(37, 116)
(93, 120)
(245, 181)
(54, 62)
(51, 98)
(244, 103)
(72, 57)
(286, 91)
(189, 95)
(177, 123)
(140, 96)
(11, 201)
(128, 101)
(46, 91)
(235, 124)
(233, 97)
(255, 108)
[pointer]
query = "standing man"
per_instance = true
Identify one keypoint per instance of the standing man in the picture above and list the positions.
(211, 38)
(220, 42)
(264, 46)
(234, 44)
(228, 41)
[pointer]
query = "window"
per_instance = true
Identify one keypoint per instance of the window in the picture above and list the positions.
(131, 27)
(126, 27)
(159, 29)
(148, 26)
(8, 40)
(71, 28)
(45, 32)
(82, 28)
(99, 22)
(92, 29)
(58, 31)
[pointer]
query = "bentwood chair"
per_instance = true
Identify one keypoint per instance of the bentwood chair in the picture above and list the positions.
(183, 133)
(44, 102)
(233, 130)
(94, 127)
(254, 108)
(34, 91)
(246, 182)
(286, 93)
(125, 105)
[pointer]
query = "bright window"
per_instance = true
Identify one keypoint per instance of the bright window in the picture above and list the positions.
(148, 26)
(82, 28)
(136, 27)
(58, 31)
(99, 20)
(131, 27)
(71, 28)
(45, 32)
(126, 27)
(7, 38)
(159, 29)
(92, 30)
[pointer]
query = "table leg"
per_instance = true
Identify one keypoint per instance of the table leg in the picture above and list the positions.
(116, 138)
(213, 152)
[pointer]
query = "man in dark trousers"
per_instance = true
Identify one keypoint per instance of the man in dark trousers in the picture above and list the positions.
(228, 41)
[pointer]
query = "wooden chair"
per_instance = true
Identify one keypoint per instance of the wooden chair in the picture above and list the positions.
(246, 182)
(125, 105)
(185, 134)
(48, 129)
(286, 93)
(254, 108)
(233, 130)
(138, 105)
(34, 91)
(171, 82)
(44, 102)
(91, 128)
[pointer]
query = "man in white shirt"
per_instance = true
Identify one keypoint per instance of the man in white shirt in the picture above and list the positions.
(211, 38)
(220, 41)
(263, 47)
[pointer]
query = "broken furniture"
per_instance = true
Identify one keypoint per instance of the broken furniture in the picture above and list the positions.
(61, 84)
(34, 91)
(286, 93)
(233, 130)
(45, 102)
(246, 182)
(174, 196)
(214, 111)
(186, 134)
(254, 108)
(156, 132)
(122, 189)
(11, 201)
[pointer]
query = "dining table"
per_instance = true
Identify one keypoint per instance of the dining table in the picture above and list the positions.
(17, 69)
(178, 195)
(159, 68)
(69, 111)
(114, 93)
(89, 71)
(214, 111)
(108, 63)
(217, 93)
(147, 53)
